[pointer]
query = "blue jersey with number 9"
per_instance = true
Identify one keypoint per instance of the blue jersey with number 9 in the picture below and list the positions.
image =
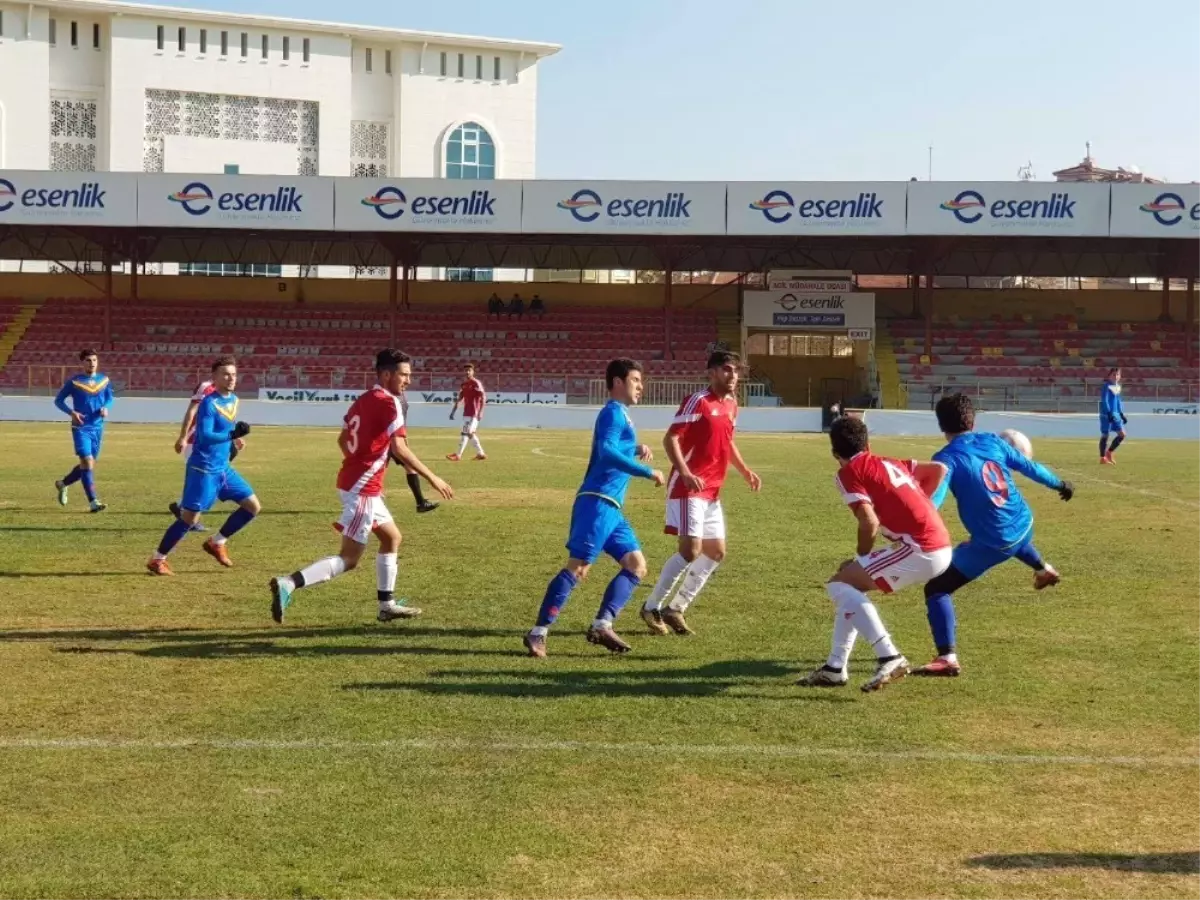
(980, 477)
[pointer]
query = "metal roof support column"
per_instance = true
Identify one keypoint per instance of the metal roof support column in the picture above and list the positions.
(929, 314)
(668, 300)
(1189, 356)
(108, 299)
(1165, 314)
(135, 251)
(392, 300)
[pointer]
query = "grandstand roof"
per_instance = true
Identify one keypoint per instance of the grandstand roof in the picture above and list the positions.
(876, 255)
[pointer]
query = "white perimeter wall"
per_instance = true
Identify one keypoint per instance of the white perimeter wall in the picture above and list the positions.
(157, 410)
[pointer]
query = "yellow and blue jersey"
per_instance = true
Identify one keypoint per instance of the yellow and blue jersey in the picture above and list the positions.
(980, 477)
(614, 456)
(89, 394)
(215, 418)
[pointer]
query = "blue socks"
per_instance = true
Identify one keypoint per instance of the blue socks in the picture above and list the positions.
(1029, 555)
(940, 611)
(73, 476)
(557, 592)
(238, 519)
(617, 594)
(172, 536)
(89, 483)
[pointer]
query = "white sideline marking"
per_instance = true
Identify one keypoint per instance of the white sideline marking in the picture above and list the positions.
(540, 451)
(784, 751)
(1166, 498)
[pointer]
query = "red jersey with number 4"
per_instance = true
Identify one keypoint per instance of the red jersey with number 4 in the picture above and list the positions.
(203, 389)
(905, 513)
(705, 425)
(371, 422)
(472, 396)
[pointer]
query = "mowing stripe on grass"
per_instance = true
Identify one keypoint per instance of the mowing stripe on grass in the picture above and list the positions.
(784, 751)
(1166, 498)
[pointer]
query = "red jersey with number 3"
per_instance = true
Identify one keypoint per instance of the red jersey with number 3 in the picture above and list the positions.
(371, 422)
(905, 513)
(473, 398)
(705, 424)
(203, 389)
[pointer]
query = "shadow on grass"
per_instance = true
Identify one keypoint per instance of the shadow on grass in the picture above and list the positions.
(65, 574)
(271, 632)
(1186, 863)
(711, 680)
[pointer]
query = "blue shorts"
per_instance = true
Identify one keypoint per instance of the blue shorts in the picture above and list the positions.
(599, 526)
(87, 440)
(975, 559)
(1113, 425)
(202, 490)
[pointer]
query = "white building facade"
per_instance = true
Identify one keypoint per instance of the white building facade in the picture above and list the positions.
(88, 85)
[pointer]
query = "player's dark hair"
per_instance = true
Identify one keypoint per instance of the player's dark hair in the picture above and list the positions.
(471, 366)
(222, 361)
(620, 368)
(1115, 370)
(955, 414)
(389, 360)
(86, 352)
(719, 358)
(848, 436)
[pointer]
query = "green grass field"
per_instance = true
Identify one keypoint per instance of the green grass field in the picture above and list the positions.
(163, 738)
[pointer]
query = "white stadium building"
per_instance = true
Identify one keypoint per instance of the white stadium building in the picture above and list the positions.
(90, 85)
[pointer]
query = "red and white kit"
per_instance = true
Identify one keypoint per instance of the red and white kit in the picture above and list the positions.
(371, 422)
(473, 400)
(203, 389)
(921, 548)
(704, 424)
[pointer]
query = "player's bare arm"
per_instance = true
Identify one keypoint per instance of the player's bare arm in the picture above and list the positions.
(868, 527)
(675, 454)
(454, 408)
(929, 476)
(644, 453)
(735, 457)
(189, 416)
(403, 452)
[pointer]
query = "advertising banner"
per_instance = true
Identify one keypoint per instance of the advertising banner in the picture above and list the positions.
(68, 198)
(427, 204)
(815, 208)
(349, 395)
(792, 309)
(1156, 210)
(1161, 407)
(623, 207)
(236, 201)
(1032, 208)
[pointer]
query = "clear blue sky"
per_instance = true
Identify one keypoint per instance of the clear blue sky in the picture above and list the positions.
(836, 89)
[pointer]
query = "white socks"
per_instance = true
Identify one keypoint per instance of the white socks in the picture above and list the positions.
(854, 608)
(475, 443)
(698, 573)
(385, 571)
(462, 446)
(323, 570)
(844, 632)
(672, 571)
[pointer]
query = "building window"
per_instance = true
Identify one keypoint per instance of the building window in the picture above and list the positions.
(479, 68)
(233, 169)
(1, 23)
(443, 69)
(203, 40)
(287, 48)
(224, 43)
(96, 36)
(470, 153)
(162, 37)
(387, 62)
(245, 45)
(182, 40)
(462, 66)
(74, 34)
(53, 32)
(231, 269)
(367, 58)
(495, 68)
(304, 50)
(266, 46)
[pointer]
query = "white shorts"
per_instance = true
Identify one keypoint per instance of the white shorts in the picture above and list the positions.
(361, 515)
(696, 517)
(899, 565)
(470, 425)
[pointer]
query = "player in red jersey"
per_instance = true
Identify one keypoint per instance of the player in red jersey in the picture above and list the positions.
(701, 447)
(373, 433)
(473, 399)
(187, 435)
(891, 497)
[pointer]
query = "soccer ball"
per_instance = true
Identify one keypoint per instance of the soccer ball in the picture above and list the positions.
(1018, 442)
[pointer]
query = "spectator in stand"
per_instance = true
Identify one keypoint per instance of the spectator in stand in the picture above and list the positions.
(537, 307)
(516, 307)
(495, 305)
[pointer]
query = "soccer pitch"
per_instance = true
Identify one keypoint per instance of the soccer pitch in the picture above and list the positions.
(161, 737)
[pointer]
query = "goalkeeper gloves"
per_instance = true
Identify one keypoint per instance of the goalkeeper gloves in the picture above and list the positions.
(1124, 419)
(1066, 490)
(240, 430)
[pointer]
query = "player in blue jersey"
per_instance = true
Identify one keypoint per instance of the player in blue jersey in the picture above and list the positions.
(1112, 417)
(598, 524)
(210, 477)
(996, 516)
(91, 396)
